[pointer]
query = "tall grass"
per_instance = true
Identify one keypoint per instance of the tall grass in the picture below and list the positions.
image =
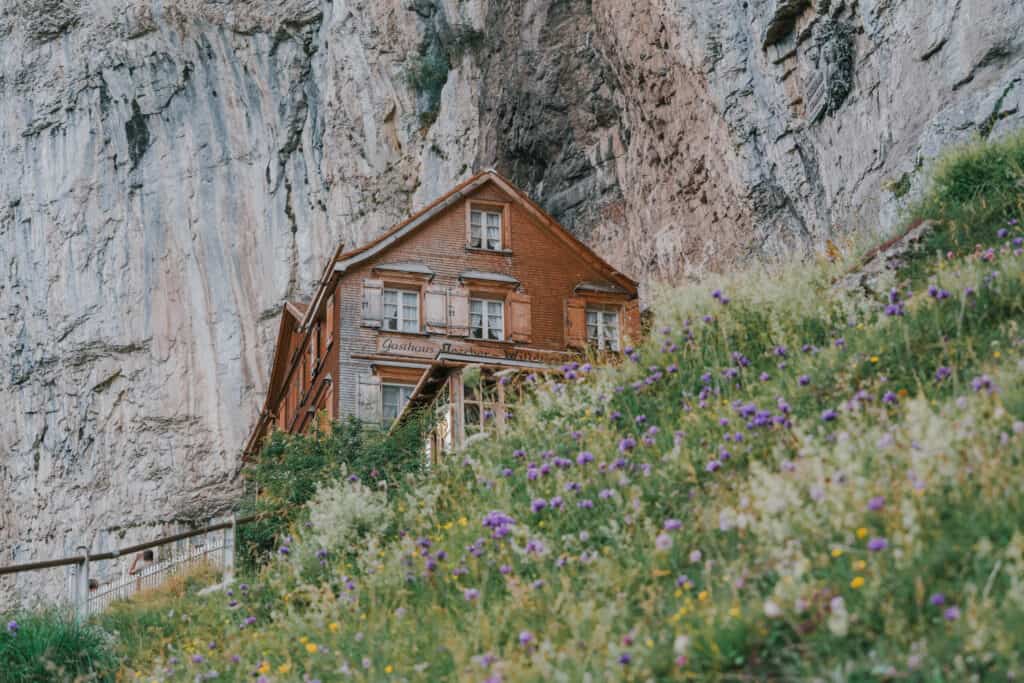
(784, 482)
(52, 645)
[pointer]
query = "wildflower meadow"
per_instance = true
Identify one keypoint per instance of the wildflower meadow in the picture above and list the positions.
(785, 480)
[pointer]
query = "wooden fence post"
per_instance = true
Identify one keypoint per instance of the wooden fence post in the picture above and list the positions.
(82, 584)
(229, 550)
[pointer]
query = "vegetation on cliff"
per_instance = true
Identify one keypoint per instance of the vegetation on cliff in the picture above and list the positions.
(786, 480)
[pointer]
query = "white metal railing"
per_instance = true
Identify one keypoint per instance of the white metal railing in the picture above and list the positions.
(214, 544)
(218, 554)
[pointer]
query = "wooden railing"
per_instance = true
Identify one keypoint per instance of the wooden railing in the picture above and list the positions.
(218, 549)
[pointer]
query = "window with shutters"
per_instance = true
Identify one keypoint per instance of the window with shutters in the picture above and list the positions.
(487, 319)
(401, 310)
(603, 327)
(485, 229)
(393, 398)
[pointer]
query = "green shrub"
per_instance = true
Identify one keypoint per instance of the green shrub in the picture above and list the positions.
(291, 468)
(52, 645)
(976, 190)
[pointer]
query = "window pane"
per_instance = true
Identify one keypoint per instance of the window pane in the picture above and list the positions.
(476, 306)
(592, 317)
(494, 220)
(472, 418)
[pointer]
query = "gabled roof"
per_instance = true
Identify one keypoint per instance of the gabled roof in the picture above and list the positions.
(346, 260)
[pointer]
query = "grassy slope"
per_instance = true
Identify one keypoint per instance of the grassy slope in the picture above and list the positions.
(769, 573)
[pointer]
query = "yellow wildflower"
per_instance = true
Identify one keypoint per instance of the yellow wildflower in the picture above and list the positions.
(388, 669)
(734, 611)
(857, 582)
(311, 648)
(649, 643)
(334, 626)
(874, 359)
(463, 521)
(837, 552)
(996, 354)
(264, 667)
(285, 668)
(702, 596)
(679, 593)
(862, 532)
(859, 565)
(303, 639)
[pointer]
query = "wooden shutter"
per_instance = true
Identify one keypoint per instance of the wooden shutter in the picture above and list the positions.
(521, 317)
(631, 320)
(435, 309)
(458, 312)
(373, 302)
(368, 399)
(330, 320)
(576, 322)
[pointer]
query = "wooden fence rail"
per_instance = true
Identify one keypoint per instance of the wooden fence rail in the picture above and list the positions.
(88, 599)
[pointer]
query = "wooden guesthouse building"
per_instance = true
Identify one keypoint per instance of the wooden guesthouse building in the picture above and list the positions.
(482, 282)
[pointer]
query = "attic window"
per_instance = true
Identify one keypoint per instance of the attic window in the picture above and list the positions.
(485, 229)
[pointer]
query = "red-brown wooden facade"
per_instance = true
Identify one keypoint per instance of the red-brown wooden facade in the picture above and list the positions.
(481, 277)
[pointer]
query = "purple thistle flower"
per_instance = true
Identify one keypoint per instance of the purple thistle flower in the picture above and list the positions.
(942, 373)
(584, 457)
(803, 380)
(937, 599)
(556, 502)
(982, 383)
(673, 524)
(538, 504)
(519, 453)
(249, 621)
(625, 658)
(198, 659)
(1002, 233)
(12, 627)
(840, 343)
(585, 504)
(781, 351)
(713, 466)
(525, 637)
(764, 377)
(505, 569)
(829, 415)
(506, 472)
(890, 398)
(627, 444)
(952, 613)
(605, 494)
(876, 545)
(284, 550)
(470, 594)
(876, 503)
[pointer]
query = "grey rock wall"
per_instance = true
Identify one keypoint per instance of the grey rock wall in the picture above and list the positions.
(171, 171)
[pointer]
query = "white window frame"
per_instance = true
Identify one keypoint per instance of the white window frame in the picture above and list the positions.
(486, 327)
(401, 321)
(404, 394)
(601, 334)
(485, 233)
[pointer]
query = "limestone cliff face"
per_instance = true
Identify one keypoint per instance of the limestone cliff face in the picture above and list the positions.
(171, 171)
